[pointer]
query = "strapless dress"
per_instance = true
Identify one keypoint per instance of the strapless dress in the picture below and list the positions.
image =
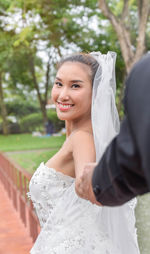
(69, 224)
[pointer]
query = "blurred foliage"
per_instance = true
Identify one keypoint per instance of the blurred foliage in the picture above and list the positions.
(33, 122)
(13, 127)
(20, 108)
(34, 34)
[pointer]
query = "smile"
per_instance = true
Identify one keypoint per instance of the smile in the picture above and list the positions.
(63, 106)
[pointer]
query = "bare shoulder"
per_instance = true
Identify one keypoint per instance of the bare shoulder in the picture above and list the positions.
(83, 143)
(83, 150)
(78, 140)
(82, 137)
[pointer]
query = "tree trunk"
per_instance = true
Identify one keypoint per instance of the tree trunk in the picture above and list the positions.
(41, 101)
(47, 83)
(131, 53)
(3, 109)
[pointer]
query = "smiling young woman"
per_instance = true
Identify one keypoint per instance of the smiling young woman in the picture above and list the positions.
(72, 95)
(71, 225)
(72, 92)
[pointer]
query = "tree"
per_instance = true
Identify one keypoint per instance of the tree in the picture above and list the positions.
(124, 25)
(54, 24)
(3, 108)
(6, 41)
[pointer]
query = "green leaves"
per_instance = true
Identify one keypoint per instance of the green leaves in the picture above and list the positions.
(24, 37)
(41, 31)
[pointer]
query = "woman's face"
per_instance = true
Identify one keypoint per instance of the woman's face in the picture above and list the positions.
(72, 91)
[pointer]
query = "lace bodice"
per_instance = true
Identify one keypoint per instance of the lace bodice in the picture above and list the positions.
(69, 224)
(46, 188)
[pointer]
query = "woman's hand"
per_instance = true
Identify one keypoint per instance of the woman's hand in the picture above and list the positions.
(83, 184)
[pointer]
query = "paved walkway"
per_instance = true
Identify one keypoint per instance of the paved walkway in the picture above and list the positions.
(14, 238)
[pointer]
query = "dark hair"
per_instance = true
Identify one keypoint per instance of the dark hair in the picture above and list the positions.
(83, 58)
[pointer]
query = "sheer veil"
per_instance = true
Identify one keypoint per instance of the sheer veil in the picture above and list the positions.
(105, 119)
(118, 221)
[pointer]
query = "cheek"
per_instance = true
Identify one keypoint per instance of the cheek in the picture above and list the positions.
(88, 101)
(84, 102)
(86, 98)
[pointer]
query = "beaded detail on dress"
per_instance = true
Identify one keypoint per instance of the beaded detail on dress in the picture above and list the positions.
(46, 188)
(69, 224)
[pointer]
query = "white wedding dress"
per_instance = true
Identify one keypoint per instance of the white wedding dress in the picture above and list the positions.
(71, 225)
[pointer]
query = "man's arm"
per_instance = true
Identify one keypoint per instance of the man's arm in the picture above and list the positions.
(124, 171)
(118, 176)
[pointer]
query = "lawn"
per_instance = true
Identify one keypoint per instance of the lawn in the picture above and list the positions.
(143, 223)
(30, 160)
(19, 142)
(30, 151)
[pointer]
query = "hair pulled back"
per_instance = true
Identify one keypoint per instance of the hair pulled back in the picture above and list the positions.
(83, 58)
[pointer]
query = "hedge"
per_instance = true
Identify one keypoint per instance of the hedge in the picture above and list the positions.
(34, 122)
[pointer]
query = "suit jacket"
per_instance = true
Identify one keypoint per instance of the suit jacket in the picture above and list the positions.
(124, 170)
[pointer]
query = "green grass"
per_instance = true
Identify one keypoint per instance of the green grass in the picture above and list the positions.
(28, 151)
(142, 212)
(31, 160)
(19, 142)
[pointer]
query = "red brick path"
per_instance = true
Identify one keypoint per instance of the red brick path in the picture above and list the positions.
(14, 238)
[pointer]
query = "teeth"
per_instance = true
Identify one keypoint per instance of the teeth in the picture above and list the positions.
(66, 106)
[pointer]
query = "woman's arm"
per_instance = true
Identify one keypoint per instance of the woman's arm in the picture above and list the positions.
(83, 154)
(83, 150)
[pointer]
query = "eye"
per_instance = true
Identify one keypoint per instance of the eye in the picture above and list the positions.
(75, 86)
(58, 84)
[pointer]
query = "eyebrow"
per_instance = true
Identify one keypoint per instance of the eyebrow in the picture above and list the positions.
(72, 81)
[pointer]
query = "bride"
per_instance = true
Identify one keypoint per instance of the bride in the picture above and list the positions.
(83, 92)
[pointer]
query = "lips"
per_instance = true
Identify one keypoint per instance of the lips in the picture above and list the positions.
(64, 106)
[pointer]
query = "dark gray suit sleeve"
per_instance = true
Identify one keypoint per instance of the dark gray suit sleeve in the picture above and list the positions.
(124, 170)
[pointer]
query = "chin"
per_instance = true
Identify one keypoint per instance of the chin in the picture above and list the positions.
(64, 117)
(61, 117)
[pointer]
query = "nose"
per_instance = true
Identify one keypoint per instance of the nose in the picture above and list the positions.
(64, 94)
